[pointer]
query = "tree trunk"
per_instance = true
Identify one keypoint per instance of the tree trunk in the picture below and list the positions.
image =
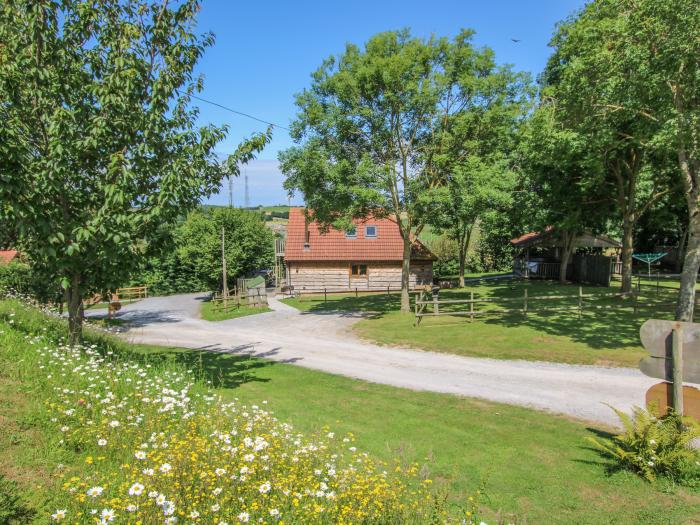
(691, 264)
(463, 249)
(627, 239)
(680, 255)
(566, 255)
(75, 311)
(406, 274)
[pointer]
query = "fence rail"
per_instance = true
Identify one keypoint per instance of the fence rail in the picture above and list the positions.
(579, 304)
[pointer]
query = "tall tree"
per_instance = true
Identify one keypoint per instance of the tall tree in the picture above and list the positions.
(372, 126)
(98, 145)
(476, 153)
(562, 177)
(600, 97)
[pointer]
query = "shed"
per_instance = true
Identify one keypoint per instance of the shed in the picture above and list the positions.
(538, 255)
(367, 257)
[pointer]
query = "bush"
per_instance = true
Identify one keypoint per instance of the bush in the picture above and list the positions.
(447, 252)
(651, 446)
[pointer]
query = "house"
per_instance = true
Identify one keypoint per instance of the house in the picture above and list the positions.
(7, 256)
(368, 257)
(538, 256)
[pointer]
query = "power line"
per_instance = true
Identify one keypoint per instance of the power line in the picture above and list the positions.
(239, 112)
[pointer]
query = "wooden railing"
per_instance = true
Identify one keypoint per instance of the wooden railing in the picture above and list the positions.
(525, 304)
(131, 294)
(536, 269)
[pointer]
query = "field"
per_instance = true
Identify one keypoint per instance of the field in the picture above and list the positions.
(607, 336)
(537, 468)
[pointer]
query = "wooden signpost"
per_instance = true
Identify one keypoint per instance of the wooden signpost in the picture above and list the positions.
(674, 349)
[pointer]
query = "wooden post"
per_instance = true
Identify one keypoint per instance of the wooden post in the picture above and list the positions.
(324, 295)
(387, 290)
(580, 302)
(223, 267)
(634, 297)
(639, 283)
(525, 303)
(658, 278)
(355, 291)
(678, 369)
(436, 304)
(471, 306)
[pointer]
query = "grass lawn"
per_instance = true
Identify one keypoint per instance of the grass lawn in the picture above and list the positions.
(538, 468)
(209, 314)
(602, 336)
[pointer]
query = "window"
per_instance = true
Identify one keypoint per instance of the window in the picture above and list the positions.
(351, 234)
(370, 232)
(358, 270)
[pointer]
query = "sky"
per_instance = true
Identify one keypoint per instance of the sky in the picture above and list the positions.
(265, 52)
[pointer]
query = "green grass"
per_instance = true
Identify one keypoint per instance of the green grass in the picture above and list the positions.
(538, 468)
(602, 336)
(210, 314)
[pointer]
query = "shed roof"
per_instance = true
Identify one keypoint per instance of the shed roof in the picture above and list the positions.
(550, 237)
(335, 245)
(7, 256)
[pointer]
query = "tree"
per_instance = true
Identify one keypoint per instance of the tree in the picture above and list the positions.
(476, 153)
(599, 96)
(662, 41)
(562, 176)
(249, 244)
(372, 126)
(473, 190)
(99, 144)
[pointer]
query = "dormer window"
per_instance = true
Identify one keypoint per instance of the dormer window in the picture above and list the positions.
(351, 234)
(370, 232)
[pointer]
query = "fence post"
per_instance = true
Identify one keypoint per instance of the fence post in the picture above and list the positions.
(355, 291)
(634, 296)
(324, 295)
(678, 369)
(580, 302)
(658, 278)
(471, 307)
(639, 283)
(387, 290)
(436, 304)
(525, 303)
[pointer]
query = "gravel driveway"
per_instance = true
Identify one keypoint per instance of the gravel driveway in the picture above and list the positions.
(324, 342)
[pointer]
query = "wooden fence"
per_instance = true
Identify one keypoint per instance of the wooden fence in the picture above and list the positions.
(254, 297)
(131, 294)
(520, 305)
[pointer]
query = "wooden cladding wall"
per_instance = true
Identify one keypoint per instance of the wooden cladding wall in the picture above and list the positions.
(315, 276)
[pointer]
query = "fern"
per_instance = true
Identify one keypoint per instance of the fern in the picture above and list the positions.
(652, 446)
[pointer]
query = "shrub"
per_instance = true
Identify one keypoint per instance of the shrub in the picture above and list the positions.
(654, 446)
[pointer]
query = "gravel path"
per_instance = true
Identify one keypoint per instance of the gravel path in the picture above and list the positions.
(324, 342)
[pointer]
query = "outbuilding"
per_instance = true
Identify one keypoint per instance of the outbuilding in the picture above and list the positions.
(366, 257)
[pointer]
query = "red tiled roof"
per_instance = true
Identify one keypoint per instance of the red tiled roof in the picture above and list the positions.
(7, 256)
(335, 246)
(530, 236)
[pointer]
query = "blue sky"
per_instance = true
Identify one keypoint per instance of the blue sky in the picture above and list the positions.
(265, 52)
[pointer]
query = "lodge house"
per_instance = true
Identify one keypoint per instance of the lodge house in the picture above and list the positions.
(367, 257)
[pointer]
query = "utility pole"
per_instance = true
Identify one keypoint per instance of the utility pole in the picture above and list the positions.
(223, 266)
(247, 195)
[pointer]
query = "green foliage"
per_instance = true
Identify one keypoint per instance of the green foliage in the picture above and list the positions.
(447, 252)
(651, 446)
(375, 127)
(23, 278)
(99, 144)
(195, 262)
(13, 508)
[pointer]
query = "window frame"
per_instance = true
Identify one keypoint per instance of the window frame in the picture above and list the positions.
(351, 234)
(359, 274)
(367, 235)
